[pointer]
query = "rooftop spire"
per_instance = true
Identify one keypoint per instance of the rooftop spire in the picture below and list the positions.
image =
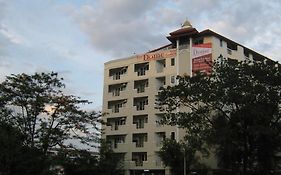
(186, 24)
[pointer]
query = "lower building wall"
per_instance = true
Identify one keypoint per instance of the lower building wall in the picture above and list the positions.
(147, 172)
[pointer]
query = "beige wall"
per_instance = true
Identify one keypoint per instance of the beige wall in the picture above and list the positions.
(153, 143)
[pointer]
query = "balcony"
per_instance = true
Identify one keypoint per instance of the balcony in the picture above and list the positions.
(141, 85)
(141, 89)
(229, 51)
(121, 148)
(160, 82)
(116, 105)
(140, 120)
(116, 123)
(159, 138)
(140, 107)
(116, 89)
(160, 65)
(158, 161)
(140, 139)
(116, 73)
(141, 68)
(120, 129)
(159, 118)
(139, 158)
(115, 140)
(140, 103)
(137, 165)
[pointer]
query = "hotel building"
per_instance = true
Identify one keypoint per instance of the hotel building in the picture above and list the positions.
(131, 86)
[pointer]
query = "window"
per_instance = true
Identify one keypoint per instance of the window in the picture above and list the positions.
(117, 106)
(221, 44)
(173, 79)
(172, 61)
(117, 72)
(141, 104)
(141, 68)
(139, 157)
(198, 41)
(173, 135)
(144, 157)
(164, 63)
(229, 51)
(118, 139)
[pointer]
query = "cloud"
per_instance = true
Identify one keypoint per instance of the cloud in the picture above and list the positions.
(252, 23)
(2, 7)
(11, 36)
(121, 27)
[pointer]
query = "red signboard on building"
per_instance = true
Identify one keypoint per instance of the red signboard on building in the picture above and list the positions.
(171, 53)
(201, 55)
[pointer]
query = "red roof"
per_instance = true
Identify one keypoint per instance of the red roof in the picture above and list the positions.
(182, 32)
(185, 31)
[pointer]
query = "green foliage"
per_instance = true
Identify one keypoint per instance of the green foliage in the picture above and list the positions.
(81, 162)
(174, 153)
(15, 157)
(10, 146)
(36, 116)
(236, 109)
(77, 162)
(109, 162)
(41, 110)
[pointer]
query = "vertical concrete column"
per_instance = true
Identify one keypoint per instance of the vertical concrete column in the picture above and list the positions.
(178, 72)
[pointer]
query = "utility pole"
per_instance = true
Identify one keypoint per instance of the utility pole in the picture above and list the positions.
(184, 162)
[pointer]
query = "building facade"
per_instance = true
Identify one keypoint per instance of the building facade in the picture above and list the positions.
(131, 86)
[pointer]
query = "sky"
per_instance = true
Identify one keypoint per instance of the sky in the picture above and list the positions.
(76, 37)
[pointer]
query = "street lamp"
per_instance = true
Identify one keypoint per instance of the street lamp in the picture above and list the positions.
(146, 171)
(184, 162)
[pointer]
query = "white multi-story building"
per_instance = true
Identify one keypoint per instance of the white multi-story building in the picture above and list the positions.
(131, 86)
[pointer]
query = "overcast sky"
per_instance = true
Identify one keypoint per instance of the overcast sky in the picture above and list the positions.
(75, 37)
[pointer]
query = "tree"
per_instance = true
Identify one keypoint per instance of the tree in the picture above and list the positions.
(15, 158)
(110, 163)
(172, 155)
(237, 108)
(10, 146)
(81, 162)
(77, 162)
(38, 111)
(44, 113)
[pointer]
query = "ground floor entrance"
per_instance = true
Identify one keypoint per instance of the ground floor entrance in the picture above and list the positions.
(147, 172)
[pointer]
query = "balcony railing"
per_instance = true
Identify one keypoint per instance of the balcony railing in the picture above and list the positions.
(139, 163)
(116, 93)
(141, 89)
(141, 72)
(116, 110)
(229, 51)
(139, 125)
(159, 144)
(158, 163)
(140, 107)
(139, 144)
(116, 77)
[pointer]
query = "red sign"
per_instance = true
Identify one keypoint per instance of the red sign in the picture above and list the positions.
(202, 58)
(158, 55)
